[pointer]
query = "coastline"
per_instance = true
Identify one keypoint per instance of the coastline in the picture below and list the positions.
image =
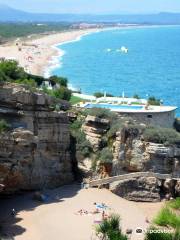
(36, 56)
(40, 60)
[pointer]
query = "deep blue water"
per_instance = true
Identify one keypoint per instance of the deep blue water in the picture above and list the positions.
(151, 67)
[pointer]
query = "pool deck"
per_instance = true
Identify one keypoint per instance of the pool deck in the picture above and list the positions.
(150, 109)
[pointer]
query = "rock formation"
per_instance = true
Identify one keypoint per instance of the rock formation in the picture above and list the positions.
(133, 154)
(35, 152)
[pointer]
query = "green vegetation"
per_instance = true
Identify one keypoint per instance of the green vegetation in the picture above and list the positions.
(15, 30)
(167, 217)
(161, 135)
(105, 156)
(154, 101)
(83, 145)
(101, 113)
(10, 71)
(177, 124)
(156, 234)
(100, 94)
(75, 100)
(4, 126)
(136, 96)
(110, 229)
(175, 203)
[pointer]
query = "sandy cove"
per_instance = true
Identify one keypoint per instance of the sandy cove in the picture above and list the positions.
(35, 54)
(58, 219)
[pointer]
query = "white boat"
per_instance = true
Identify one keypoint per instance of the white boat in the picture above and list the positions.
(124, 49)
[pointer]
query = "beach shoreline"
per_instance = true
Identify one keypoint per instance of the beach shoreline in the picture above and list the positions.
(39, 54)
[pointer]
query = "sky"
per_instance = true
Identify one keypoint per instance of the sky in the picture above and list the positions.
(95, 6)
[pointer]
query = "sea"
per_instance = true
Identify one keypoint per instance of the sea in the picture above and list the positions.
(97, 62)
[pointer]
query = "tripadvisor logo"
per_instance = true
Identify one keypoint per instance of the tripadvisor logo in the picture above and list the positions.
(142, 231)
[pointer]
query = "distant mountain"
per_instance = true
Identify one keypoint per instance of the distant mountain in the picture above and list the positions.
(8, 14)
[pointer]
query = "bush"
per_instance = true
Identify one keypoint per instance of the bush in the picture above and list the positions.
(11, 70)
(154, 101)
(58, 80)
(3, 125)
(110, 229)
(175, 203)
(106, 156)
(136, 96)
(155, 234)
(167, 218)
(177, 124)
(161, 135)
(101, 113)
(28, 82)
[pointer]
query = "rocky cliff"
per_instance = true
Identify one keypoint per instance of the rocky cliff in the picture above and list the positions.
(133, 154)
(35, 151)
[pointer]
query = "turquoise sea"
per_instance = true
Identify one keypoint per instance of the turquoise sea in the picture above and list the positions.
(150, 68)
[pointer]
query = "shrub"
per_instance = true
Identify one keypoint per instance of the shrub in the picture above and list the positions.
(62, 93)
(3, 125)
(28, 82)
(100, 94)
(175, 203)
(106, 156)
(167, 218)
(155, 234)
(136, 96)
(101, 113)
(110, 229)
(61, 80)
(154, 101)
(161, 135)
(177, 124)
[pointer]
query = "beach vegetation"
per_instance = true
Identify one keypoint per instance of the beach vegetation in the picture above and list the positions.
(4, 126)
(27, 82)
(110, 229)
(154, 233)
(154, 101)
(166, 217)
(174, 204)
(16, 30)
(161, 135)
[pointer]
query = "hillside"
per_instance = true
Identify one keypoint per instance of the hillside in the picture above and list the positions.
(8, 14)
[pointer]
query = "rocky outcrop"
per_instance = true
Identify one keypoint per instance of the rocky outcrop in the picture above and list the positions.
(95, 128)
(35, 152)
(138, 189)
(132, 153)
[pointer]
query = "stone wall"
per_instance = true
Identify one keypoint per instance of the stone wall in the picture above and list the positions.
(161, 119)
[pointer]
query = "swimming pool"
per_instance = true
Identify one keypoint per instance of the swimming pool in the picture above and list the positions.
(113, 107)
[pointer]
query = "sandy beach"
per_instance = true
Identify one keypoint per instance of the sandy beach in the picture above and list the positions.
(36, 55)
(58, 218)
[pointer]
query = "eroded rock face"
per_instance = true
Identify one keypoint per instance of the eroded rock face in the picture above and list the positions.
(132, 153)
(145, 189)
(35, 153)
(95, 128)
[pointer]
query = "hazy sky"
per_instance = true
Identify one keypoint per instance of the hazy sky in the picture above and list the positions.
(95, 6)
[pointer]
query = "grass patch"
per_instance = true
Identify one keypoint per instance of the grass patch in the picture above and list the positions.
(75, 100)
(156, 234)
(167, 218)
(175, 203)
(4, 126)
